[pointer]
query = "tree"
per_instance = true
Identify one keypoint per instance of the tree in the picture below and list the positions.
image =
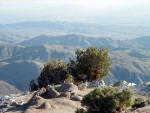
(90, 64)
(54, 72)
(93, 62)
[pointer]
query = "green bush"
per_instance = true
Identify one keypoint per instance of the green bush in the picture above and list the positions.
(52, 86)
(93, 62)
(138, 103)
(90, 64)
(54, 72)
(69, 78)
(106, 100)
(125, 99)
(148, 101)
(81, 110)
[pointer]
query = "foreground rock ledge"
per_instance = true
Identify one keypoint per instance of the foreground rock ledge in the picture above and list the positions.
(64, 99)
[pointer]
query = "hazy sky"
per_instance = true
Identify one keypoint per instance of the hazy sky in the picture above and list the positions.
(95, 11)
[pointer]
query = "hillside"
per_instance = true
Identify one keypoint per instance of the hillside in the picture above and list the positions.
(9, 37)
(43, 53)
(19, 73)
(142, 42)
(129, 61)
(8, 50)
(83, 41)
(7, 89)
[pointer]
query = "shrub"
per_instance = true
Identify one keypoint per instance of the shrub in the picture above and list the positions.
(52, 86)
(69, 78)
(106, 100)
(54, 72)
(125, 99)
(138, 103)
(33, 86)
(148, 101)
(81, 110)
(93, 62)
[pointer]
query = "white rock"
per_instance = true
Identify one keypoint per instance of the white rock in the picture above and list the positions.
(131, 84)
(99, 83)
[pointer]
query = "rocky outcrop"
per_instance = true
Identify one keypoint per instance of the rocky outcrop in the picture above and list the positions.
(51, 93)
(124, 84)
(63, 98)
(99, 83)
(41, 92)
(67, 87)
(66, 94)
(76, 98)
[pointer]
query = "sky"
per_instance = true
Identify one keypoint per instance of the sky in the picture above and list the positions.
(88, 11)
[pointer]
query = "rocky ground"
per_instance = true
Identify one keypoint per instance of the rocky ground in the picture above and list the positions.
(65, 98)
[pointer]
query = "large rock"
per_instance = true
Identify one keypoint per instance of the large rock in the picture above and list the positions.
(67, 87)
(66, 94)
(41, 92)
(34, 100)
(76, 98)
(124, 84)
(51, 93)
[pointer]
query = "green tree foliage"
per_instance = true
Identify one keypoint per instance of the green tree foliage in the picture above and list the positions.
(106, 100)
(93, 62)
(54, 72)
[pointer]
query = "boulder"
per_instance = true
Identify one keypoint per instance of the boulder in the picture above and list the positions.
(34, 100)
(66, 94)
(41, 92)
(51, 93)
(76, 98)
(74, 94)
(67, 87)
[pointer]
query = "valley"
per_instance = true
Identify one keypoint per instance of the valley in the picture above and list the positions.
(22, 61)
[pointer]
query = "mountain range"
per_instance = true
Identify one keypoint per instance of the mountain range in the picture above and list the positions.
(18, 32)
(21, 61)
